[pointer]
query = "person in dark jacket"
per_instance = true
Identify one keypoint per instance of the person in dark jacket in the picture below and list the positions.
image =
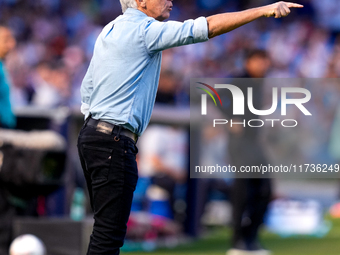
(249, 197)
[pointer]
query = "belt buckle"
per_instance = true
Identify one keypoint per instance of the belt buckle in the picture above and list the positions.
(104, 127)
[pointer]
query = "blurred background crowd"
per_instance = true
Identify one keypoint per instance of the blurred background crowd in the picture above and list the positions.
(55, 41)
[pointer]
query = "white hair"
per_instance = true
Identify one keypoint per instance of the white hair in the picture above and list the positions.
(128, 4)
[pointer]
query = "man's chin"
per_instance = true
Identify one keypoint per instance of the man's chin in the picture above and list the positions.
(164, 16)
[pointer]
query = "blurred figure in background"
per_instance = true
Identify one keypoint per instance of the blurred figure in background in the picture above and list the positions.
(163, 152)
(51, 85)
(7, 43)
(7, 120)
(166, 93)
(249, 197)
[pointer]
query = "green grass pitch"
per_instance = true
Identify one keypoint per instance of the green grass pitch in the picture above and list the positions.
(217, 243)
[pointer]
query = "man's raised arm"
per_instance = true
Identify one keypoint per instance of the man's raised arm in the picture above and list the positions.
(225, 22)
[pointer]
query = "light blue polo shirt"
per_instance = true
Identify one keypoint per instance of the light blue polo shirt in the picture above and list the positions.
(121, 82)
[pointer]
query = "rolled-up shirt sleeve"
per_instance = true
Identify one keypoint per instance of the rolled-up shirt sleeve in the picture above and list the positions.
(164, 35)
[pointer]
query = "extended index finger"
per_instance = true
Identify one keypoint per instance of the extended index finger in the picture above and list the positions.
(293, 5)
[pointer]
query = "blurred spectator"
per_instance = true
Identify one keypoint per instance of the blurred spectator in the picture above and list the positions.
(162, 158)
(51, 83)
(8, 120)
(166, 93)
(75, 64)
(328, 14)
(7, 43)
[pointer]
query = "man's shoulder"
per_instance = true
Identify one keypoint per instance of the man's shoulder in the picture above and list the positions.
(132, 22)
(135, 16)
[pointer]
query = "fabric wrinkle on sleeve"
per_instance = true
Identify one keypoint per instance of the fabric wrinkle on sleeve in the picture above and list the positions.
(164, 35)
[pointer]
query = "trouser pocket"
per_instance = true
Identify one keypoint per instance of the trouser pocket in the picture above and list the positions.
(97, 162)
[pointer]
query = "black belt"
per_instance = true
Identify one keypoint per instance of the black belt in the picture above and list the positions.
(108, 128)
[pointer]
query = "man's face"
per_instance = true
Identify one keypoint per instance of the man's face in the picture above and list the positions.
(257, 66)
(7, 41)
(158, 9)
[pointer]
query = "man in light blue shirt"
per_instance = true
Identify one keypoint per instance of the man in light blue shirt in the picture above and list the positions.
(124, 94)
(118, 94)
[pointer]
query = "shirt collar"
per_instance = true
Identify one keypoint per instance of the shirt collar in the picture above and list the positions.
(132, 11)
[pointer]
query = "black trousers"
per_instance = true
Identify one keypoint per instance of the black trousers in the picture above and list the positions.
(7, 213)
(111, 174)
(249, 197)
